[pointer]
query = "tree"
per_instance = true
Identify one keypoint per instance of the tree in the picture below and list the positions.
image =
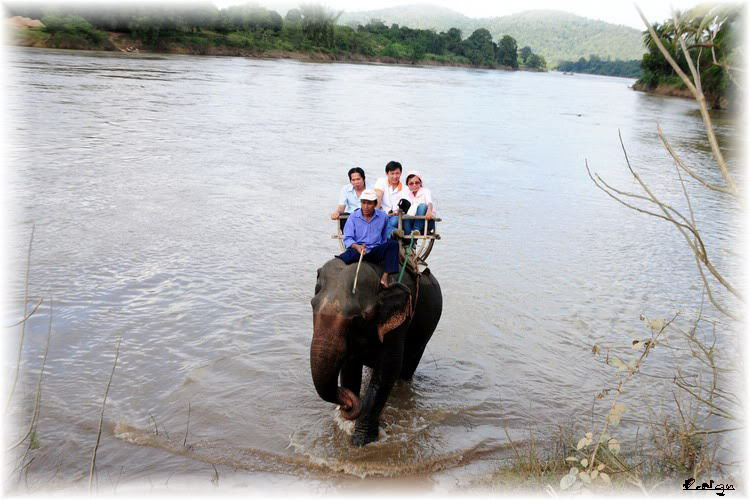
(536, 61)
(452, 40)
(432, 42)
(146, 28)
(719, 286)
(507, 52)
(293, 16)
(479, 47)
(318, 24)
(200, 16)
(525, 53)
(713, 412)
(708, 31)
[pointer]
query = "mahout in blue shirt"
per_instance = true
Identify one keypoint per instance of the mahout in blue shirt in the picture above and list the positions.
(370, 234)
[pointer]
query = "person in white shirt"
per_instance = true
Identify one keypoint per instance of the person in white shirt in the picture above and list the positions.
(389, 190)
(420, 199)
(349, 195)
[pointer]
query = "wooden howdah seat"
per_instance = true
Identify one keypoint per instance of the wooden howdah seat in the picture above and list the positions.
(422, 244)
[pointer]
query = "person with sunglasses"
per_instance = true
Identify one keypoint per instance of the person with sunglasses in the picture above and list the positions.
(420, 203)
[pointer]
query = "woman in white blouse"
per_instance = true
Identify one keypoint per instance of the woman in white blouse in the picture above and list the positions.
(420, 199)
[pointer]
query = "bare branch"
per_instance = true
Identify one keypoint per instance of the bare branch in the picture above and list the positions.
(37, 401)
(28, 315)
(711, 297)
(632, 207)
(687, 225)
(698, 94)
(92, 469)
(187, 426)
(23, 325)
(714, 431)
(687, 169)
(696, 234)
(718, 411)
(702, 254)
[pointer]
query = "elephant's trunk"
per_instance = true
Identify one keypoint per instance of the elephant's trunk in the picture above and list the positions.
(327, 353)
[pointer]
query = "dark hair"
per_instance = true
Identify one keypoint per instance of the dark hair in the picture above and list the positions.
(393, 165)
(408, 178)
(356, 170)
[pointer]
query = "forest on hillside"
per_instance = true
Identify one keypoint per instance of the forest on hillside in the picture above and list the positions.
(205, 29)
(555, 35)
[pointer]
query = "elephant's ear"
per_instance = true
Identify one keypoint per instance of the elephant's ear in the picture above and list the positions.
(394, 307)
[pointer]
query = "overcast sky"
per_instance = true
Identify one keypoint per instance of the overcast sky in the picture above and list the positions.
(616, 12)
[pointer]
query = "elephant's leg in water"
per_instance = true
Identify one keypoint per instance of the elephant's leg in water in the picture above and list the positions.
(381, 383)
(411, 362)
(420, 332)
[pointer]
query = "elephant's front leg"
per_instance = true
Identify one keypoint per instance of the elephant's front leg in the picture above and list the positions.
(383, 377)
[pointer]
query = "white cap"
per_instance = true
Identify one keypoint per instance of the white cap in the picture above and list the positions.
(369, 194)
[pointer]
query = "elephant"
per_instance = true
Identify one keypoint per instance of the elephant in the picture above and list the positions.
(385, 329)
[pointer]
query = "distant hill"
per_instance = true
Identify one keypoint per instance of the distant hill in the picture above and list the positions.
(556, 35)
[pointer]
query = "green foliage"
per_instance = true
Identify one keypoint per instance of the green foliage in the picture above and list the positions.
(452, 40)
(240, 39)
(525, 53)
(507, 52)
(554, 35)
(34, 441)
(293, 16)
(447, 59)
(248, 17)
(73, 32)
(395, 50)
(597, 66)
(72, 25)
(145, 28)
(202, 28)
(318, 24)
(535, 61)
(479, 48)
(66, 24)
(710, 36)
(32, 37)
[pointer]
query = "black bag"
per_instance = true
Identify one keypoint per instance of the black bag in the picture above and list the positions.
(404, 205)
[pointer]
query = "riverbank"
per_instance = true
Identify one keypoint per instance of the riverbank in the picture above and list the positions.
(206, 45)
(663, 89)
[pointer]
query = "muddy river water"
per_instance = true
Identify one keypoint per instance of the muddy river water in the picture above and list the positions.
(181, 203)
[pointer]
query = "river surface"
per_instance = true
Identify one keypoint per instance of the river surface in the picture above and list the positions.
(181, 203)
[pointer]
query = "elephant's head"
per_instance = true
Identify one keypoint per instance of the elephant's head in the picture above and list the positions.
(335, 307)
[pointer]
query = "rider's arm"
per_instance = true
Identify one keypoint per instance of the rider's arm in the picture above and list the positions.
(339, 210)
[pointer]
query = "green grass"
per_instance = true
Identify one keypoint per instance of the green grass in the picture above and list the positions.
(27, 35)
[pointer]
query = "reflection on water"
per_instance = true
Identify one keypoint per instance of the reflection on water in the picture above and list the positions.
(182, 203)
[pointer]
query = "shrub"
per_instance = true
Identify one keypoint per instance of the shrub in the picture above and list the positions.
(239, 39)
(395, 50)
(66, 24)
(73, 32)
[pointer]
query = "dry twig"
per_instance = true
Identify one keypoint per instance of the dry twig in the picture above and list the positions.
(38, 399)
(23, 324)
(92, 469)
